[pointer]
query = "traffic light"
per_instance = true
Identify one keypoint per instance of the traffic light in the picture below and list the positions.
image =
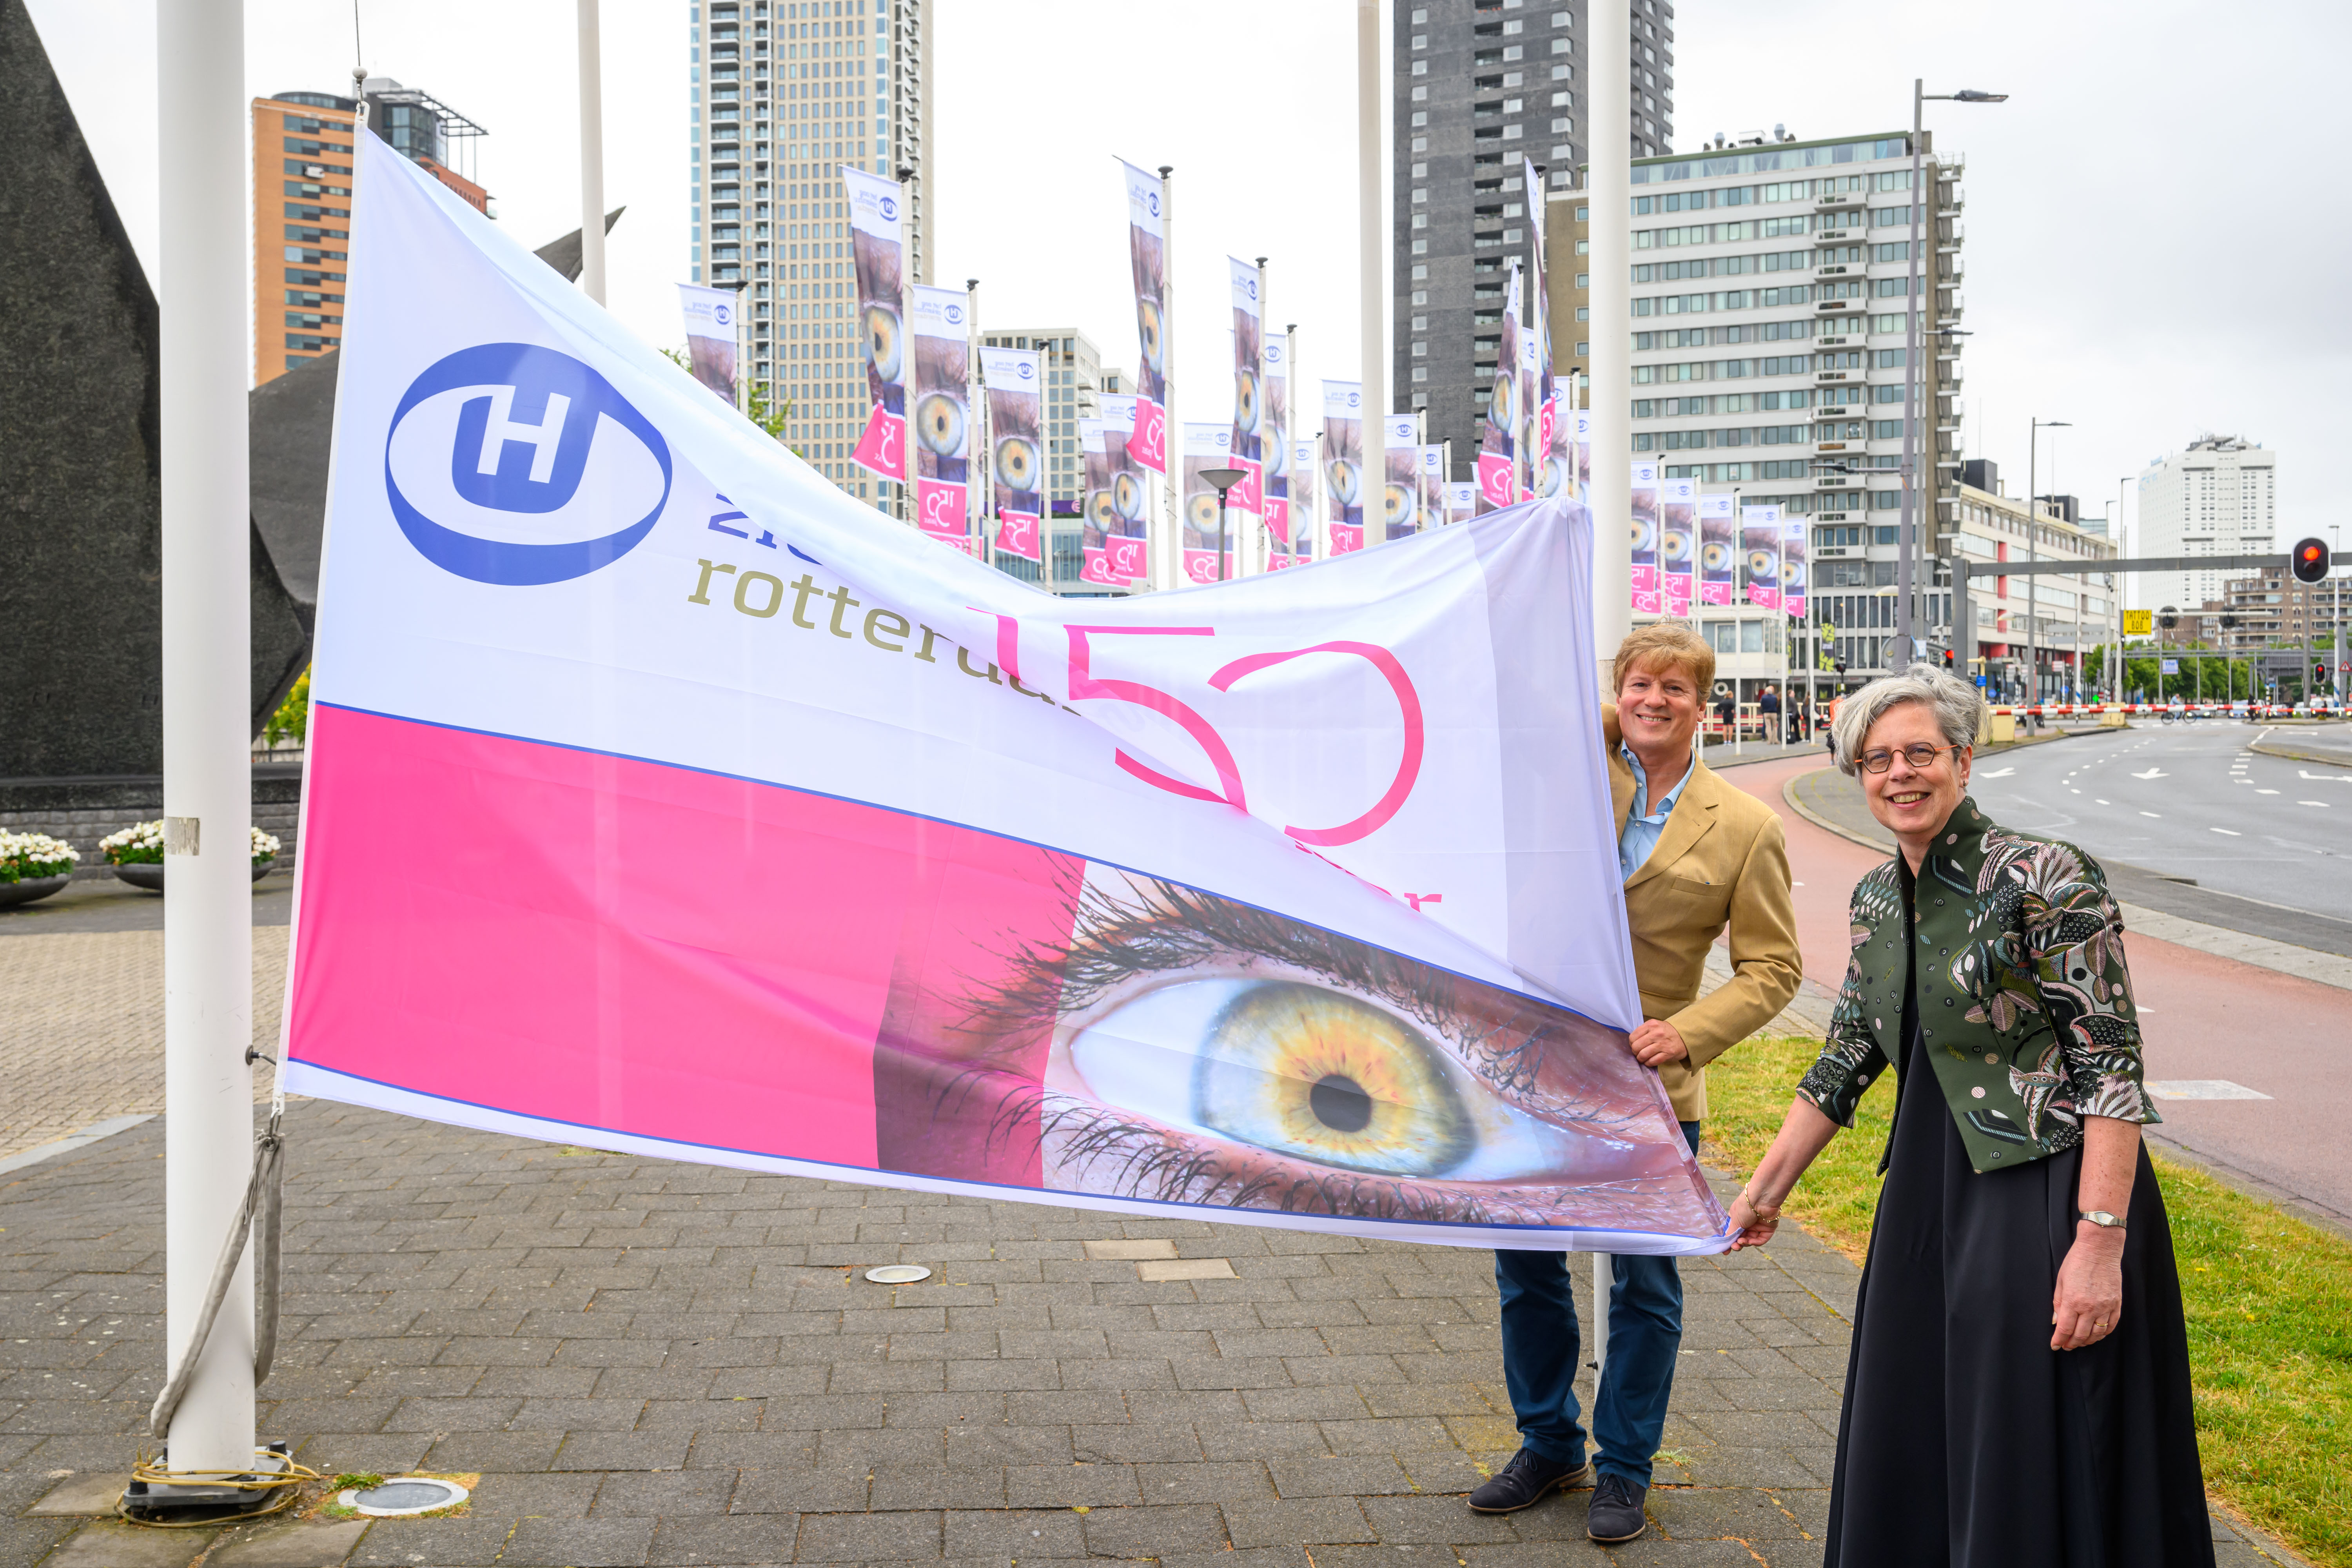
(2168, 617)
(2308, 561)
(1948, 658)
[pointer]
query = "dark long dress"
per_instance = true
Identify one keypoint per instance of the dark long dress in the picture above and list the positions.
(1964, 1439)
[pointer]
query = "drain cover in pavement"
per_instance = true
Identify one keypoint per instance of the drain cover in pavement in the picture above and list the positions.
(897, 1274)
(403, 1495)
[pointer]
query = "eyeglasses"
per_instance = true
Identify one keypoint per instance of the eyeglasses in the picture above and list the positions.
(1920, 756)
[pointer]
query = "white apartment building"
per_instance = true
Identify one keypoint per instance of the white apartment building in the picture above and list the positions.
(1771, 292)
(2217, 498)
(784, 93)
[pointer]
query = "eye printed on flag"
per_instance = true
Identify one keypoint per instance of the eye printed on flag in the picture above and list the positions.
(1016, 434)
(1343, 463)
(711, 338)
(1147, 239)
(1648, 596)
(876, 209)
(942, 417)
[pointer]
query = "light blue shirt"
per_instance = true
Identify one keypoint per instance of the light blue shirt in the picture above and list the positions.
(1643, 825)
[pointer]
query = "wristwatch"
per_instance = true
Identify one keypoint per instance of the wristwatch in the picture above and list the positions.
(2101, 1217)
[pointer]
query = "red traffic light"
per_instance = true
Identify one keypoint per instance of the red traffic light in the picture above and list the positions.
(2308, 561)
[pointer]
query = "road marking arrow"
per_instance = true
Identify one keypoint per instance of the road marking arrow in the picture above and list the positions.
(2302, 773)
(2153, 773)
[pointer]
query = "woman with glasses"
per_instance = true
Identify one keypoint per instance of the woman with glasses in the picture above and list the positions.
(2017, 1393)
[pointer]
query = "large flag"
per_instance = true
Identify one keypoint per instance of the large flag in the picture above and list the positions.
(1649, 598)
(876, 213)
(1016, 443)
(1146, 247)
(1292, 901)
(943, 414)
(1677, 533)
(1718, 550)
(1400, 495)
(1343, 463)
(1759, 542)
(1273, 394)
(711, 337)
(1497, 481)
(1129, 532)
(1249, 386)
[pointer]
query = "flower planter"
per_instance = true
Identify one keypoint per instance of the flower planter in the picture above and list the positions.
(148, 874)
(30, 888)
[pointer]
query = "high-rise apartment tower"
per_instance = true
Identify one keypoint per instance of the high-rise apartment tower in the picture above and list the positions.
(785, 93)
(1482, 87)
(2217, 498)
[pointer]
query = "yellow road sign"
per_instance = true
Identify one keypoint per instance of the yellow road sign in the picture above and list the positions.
(2139, 623)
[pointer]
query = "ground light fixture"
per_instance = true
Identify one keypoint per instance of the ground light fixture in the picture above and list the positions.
(897, 1274)
(403, 1497)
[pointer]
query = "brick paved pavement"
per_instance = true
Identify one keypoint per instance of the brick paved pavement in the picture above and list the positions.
(651, 1362)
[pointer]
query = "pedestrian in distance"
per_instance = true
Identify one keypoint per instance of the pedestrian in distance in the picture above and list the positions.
(1697, 856)
(1767, 712)
(1726, 711)
(2017, 1388)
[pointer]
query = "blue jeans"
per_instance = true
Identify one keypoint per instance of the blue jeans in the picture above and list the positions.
(1543, 1344)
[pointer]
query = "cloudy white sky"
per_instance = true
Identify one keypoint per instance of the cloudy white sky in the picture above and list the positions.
(2155, 220)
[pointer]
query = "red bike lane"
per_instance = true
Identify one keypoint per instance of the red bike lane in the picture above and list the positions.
(2203, 1017)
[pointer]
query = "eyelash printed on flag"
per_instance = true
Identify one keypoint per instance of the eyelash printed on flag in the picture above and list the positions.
(772, 837)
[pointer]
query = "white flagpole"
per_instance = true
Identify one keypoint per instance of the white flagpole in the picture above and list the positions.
(1372, 240)
(592, 155)
(1168, 566)
(1608, 192)
(207, 768)
(972, 398)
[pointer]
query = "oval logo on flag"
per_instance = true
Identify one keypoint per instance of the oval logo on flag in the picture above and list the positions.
(511, 463)
(890, 209)
(954, 314)
(721, 314)
(1026, 370)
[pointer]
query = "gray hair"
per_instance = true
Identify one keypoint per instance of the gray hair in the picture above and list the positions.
(1957, 707)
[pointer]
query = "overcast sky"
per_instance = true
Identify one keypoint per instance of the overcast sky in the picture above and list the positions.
(2154, 219)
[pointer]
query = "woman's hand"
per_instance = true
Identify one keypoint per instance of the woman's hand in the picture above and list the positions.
(1755, 1226)
(2089, 1304)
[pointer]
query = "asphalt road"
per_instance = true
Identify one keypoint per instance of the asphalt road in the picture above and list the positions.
(2188, 800)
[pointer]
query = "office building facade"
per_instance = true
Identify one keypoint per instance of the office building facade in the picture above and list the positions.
(302, 153)
(2220, 497)
(2047, 624)
(785, 92)
(1482, 87)
(1771, 282)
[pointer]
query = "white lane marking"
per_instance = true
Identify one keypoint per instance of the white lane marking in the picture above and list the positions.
(2101, 802)
(2266, 792)
(2324, 778)
(2231, 831)
(1995, 773)
(2321, 804)
(2150, 813)
(2201, 1088)
(2153, 773)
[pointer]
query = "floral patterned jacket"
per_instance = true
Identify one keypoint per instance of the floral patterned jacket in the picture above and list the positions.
(2025, 1008)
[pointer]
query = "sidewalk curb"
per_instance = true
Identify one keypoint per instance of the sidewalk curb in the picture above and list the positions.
(1789, 794)
(2270, 747)
(71, 1141)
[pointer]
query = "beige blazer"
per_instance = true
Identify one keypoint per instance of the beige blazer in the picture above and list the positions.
(1722, 861)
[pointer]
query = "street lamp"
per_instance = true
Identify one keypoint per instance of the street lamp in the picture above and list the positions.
(2032, 523)
(1224, 480)
(1905, 548)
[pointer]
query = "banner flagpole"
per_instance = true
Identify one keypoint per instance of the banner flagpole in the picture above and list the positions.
(1169, 571)
(592, 155)
(207, 772)
(1370, 258)
(974, 397)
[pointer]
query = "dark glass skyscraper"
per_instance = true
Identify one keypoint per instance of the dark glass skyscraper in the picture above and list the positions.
(1481, 85)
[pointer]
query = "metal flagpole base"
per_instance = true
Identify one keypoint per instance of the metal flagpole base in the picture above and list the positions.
(273, 1484)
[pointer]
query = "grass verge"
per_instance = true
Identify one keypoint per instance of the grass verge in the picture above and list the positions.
(2268, 1301)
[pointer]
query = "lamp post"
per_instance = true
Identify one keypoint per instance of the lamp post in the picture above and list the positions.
(2033, 523)
(1224, 480)
(1906, 539)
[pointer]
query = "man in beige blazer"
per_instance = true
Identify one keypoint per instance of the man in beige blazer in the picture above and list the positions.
(1699, 858)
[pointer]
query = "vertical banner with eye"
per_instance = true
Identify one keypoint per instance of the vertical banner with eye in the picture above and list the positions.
(1306, 512)
(1718, 550)
(711, 338)
(1497, 483)
(1648, 598)
(1545, 389)
(1208, 446)
(1677, 544)
(876, 207)
(1249, 387)
(1147, 244)
(1128, 543)
(1016, 421)
(942, 417)
(1794, 569)
(1433, 487)
(1343, 463)
(1097, 517)
(1760, 548)
(1275, 449)
(1401, 496)
(1461, 501)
